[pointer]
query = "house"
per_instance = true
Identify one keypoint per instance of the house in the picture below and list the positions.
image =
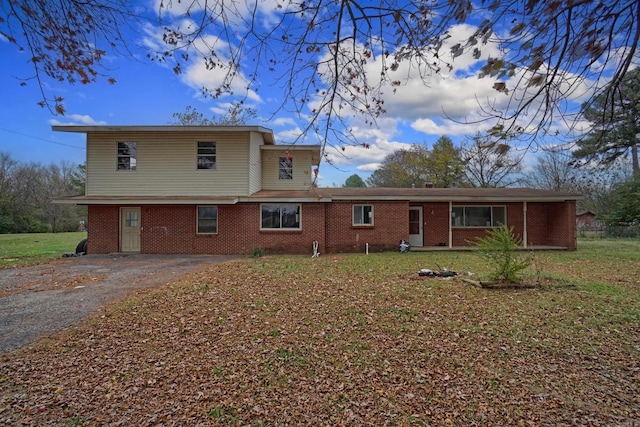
(230, 190)
(586, 220)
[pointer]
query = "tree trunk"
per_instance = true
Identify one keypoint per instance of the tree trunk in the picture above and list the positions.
(634, 159)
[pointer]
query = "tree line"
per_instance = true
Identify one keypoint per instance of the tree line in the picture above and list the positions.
(27, 191)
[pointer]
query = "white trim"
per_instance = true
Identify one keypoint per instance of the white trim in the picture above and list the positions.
(420, 222)
(353, 216)
(139, 200)
(450, 226)
(198, 219)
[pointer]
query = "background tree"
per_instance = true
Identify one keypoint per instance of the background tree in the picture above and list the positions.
(553, 171)
(7, 195)
(403, 168)
(488, 163)
(626, 203)
(345, 57)
(237, 114)
(354, 181)
(79, 180)
(445, 165)
(616, 124)
(26, 194)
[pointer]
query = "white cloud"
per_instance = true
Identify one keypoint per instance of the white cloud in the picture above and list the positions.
(194, 71)
(379, 143)
(77, 119)
(288, 135)
(237, 12)
(283, 121)
(368, 167)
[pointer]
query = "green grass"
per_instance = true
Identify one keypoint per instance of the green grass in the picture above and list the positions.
(36, 248)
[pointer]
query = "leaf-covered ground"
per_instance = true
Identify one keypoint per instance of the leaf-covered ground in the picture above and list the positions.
(346, 340)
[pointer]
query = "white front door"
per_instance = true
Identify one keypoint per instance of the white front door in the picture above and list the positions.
(130, 229)
(415, 225)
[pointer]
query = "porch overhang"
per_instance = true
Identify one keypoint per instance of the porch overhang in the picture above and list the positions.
(148, 200)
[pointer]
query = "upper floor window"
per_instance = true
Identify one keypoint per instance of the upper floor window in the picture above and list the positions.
(206, 155)
(280, 216)
(207, 219)
(126, 156)
(285, 167)
(478, 216)
(362, 214)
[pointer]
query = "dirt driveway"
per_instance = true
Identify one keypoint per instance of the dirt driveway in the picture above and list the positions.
(48, 298)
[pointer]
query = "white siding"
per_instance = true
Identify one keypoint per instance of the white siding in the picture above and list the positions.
(255, 163)
(302, 170)
(166, 164)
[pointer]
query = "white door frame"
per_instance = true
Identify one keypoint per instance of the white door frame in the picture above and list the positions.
(417, 239)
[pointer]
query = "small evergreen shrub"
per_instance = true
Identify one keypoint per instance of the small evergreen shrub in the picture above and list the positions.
(500, 249)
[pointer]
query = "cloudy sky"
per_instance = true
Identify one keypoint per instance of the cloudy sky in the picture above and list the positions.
(147, 93)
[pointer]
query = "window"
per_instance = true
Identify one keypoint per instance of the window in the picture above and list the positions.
(285, 168)
(207, 219)
(206, 155)
(131, 219)
(362, 214)
(126, 156)
(478, 216)
(280, 216)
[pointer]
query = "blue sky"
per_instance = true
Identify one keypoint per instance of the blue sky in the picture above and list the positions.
(148, 94)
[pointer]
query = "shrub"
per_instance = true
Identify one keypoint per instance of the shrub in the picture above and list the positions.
(258, 252)
(500, 249)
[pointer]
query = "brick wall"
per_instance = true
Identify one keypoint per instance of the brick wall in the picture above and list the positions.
(390, 225)
(103, 230)
(172, 229)
(436, 224)
(562, 224)
(168, 229)
(537, 220)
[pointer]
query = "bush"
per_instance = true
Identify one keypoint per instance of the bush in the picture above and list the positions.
(6, 224)
(258, 252)
(500, 249)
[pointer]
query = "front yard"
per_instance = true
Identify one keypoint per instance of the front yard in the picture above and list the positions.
(349, 340)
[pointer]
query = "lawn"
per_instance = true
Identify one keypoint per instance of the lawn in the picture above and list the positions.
(34, 248)
(349, 340)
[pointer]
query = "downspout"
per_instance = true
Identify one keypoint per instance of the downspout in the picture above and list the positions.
(450, 225)
(524, 215)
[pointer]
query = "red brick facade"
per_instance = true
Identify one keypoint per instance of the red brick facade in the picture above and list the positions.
(390, 225)
(171, 229)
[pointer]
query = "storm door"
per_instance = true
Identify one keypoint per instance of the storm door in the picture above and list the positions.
(415, 225)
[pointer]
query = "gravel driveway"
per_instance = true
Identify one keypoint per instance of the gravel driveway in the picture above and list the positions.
(48, 298)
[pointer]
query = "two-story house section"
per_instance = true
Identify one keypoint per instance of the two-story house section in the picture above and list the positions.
(232, 189)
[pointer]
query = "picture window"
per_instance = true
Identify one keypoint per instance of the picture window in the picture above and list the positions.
(280, 217)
